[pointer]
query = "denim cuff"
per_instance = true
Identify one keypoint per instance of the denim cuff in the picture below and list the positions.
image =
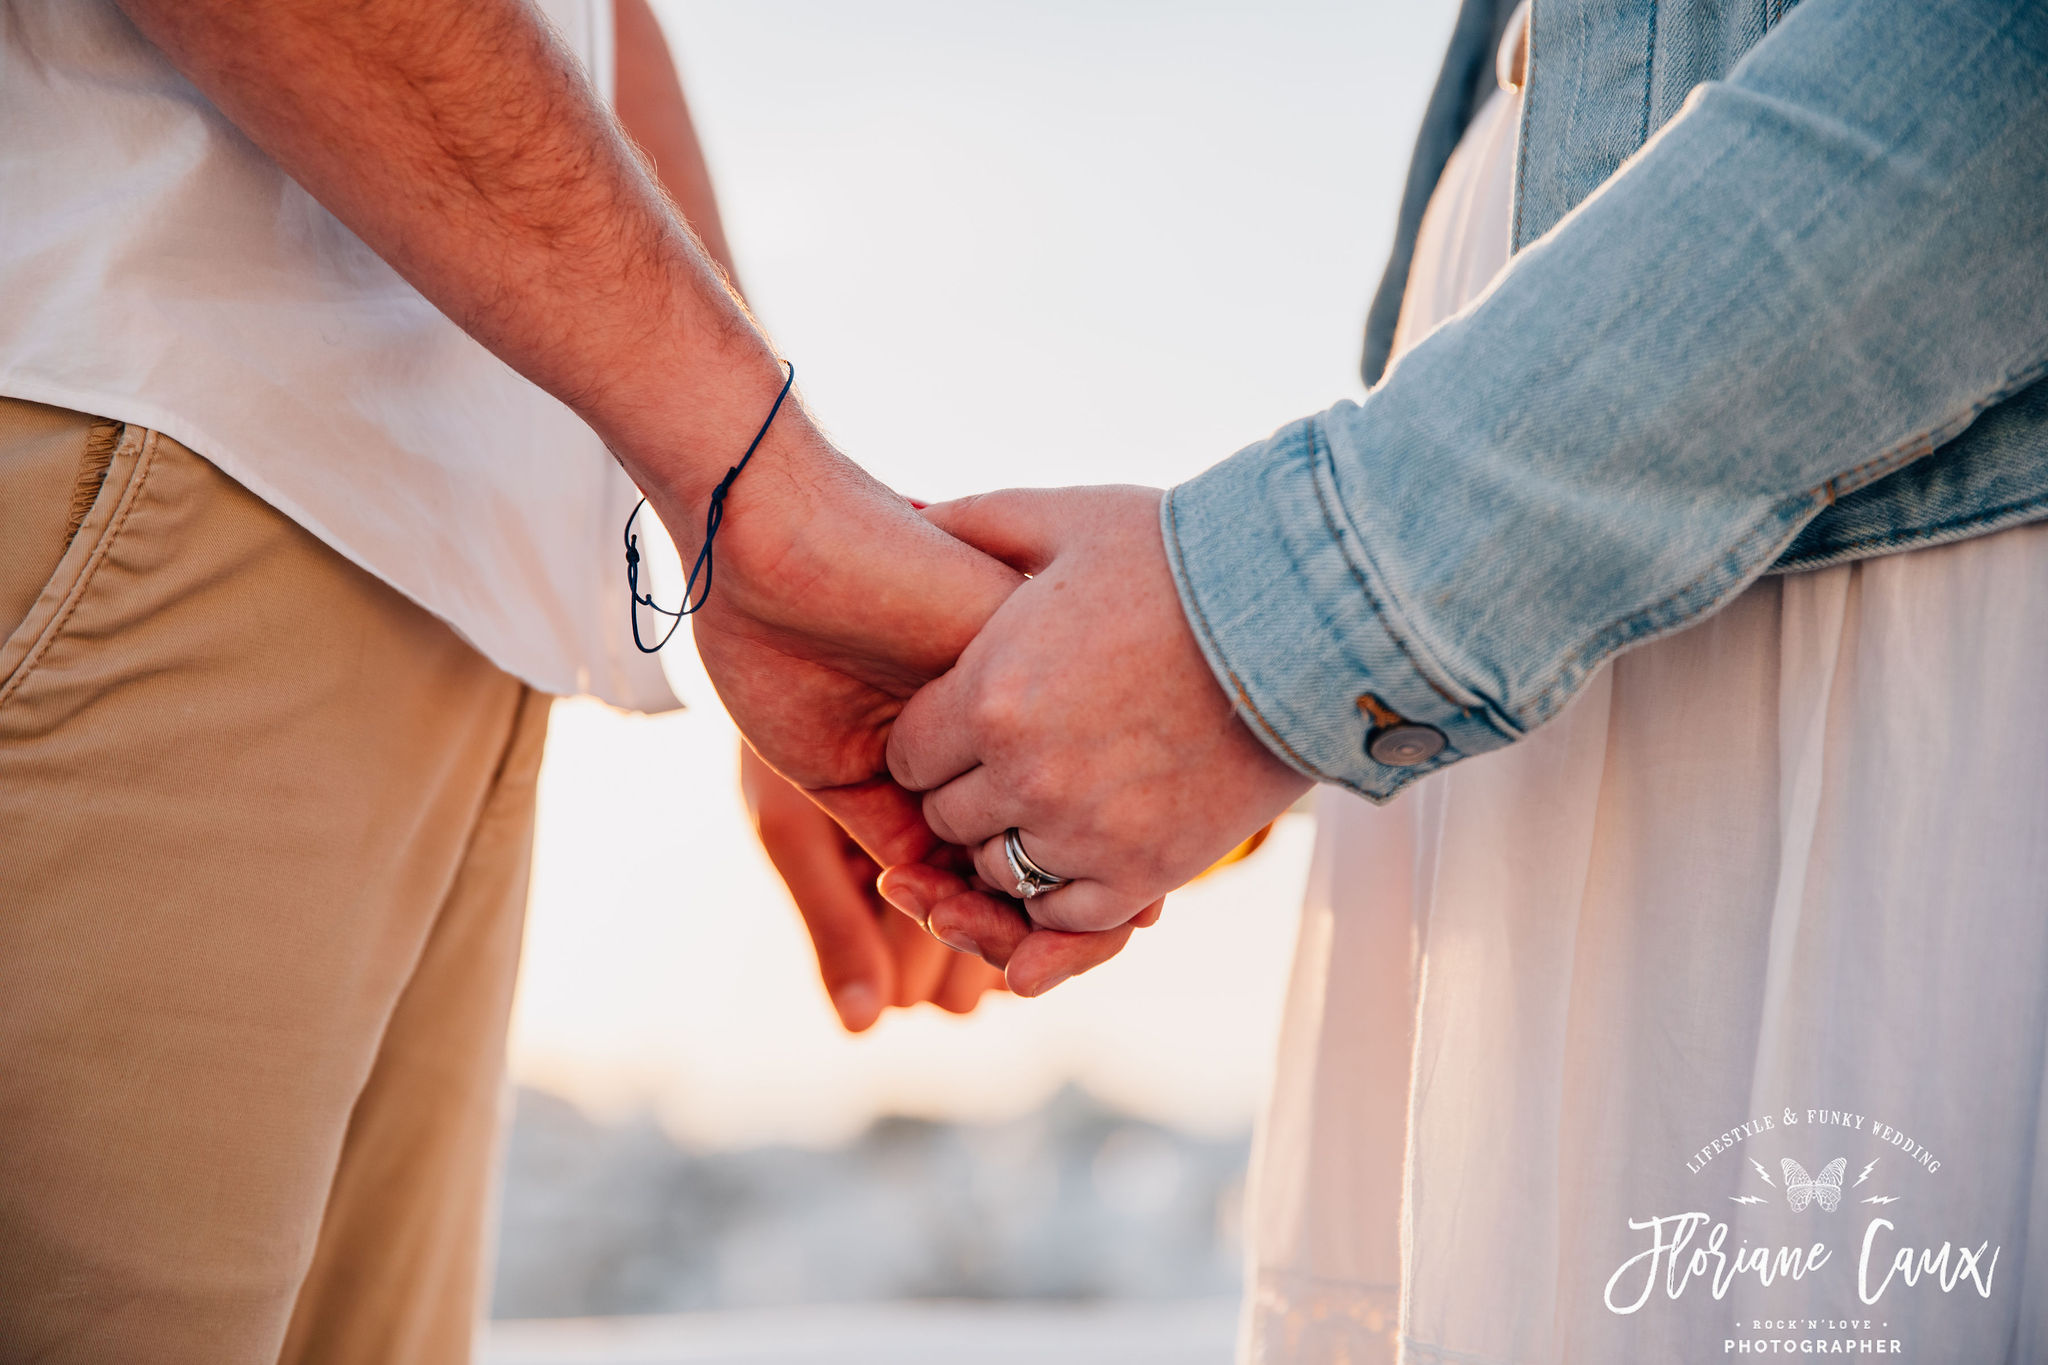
(1300, 630)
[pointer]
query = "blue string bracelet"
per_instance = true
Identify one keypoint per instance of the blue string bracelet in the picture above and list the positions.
(714, 517)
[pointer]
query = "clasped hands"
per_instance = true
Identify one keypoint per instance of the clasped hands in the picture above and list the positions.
(933, 679)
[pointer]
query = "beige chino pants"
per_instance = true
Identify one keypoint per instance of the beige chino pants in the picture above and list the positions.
(264, 837)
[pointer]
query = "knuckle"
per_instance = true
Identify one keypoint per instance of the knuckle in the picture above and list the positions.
(1000, 705)
(1035, 784)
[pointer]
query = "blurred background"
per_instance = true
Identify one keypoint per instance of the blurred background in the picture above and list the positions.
(1055, 242)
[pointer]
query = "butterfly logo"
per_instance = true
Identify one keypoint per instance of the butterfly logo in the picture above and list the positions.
(1824, 1189)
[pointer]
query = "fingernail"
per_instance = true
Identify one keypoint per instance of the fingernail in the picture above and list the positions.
(1044, 986)
(958, 941)
(904, 899)
(857, 1004)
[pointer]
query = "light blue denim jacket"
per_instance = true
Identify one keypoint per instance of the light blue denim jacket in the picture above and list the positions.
(1780, 300)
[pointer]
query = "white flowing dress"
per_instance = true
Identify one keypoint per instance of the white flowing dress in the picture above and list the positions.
(1752, 938)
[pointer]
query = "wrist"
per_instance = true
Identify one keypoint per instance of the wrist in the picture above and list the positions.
(750, 446)
(796, 531)
(681, 421)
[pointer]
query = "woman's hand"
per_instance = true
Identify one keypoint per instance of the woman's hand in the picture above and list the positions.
(1085, 715)
(959, 911)
(869, 957)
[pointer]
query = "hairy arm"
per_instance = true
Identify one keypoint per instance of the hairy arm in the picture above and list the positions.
(463, 143)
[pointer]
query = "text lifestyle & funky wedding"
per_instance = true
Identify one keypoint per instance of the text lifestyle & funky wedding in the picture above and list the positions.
(1817, 1118)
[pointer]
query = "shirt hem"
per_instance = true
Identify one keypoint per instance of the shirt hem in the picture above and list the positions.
(647, 698)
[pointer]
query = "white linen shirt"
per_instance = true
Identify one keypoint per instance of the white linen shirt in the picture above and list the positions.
(157, 268)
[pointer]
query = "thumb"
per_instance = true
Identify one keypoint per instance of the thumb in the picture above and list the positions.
(1020, 526)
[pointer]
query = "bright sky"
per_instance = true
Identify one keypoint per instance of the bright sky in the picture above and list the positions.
(1068, 241)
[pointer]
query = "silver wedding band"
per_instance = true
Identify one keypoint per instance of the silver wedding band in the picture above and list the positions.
(1032, 880)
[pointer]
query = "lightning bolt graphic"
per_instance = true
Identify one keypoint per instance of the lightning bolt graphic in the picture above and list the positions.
(1745, 1199)
(1882, 1199)
(1866, 1172)
(1762, 1172)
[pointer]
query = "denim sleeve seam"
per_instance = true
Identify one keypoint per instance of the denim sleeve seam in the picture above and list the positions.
(1934, 437)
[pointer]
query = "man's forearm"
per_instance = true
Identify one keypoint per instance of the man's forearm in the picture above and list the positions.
(463, 144)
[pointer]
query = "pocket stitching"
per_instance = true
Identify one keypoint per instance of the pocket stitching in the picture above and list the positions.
(145, 461)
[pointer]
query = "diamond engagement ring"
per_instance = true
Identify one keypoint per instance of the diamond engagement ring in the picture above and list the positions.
(1032, 879)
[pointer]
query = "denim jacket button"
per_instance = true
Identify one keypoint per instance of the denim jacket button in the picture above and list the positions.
(1404, 745)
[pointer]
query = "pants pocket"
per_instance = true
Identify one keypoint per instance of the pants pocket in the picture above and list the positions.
(66, 479)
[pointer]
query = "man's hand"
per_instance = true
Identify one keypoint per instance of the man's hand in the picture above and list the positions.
(834, 602)
(869, 957)
(1085, 716)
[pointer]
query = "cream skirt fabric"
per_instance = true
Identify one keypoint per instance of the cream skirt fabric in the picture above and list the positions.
(1789, 867)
